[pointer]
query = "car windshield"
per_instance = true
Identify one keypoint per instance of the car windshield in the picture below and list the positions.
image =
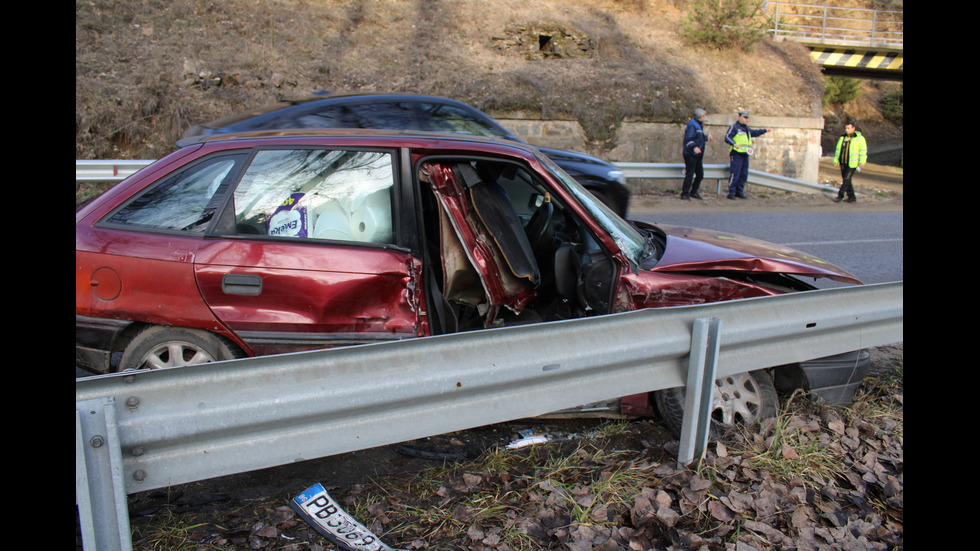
(631, 242)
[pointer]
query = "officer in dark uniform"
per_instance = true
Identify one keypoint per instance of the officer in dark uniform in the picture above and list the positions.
(695, 141)
(739, 137)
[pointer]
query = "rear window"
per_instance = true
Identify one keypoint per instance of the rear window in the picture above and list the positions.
(450, 118)
(384, 116)
(186, 201)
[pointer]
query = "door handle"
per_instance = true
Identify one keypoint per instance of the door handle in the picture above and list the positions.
(241, 284)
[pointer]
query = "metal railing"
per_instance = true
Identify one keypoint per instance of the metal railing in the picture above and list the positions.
(143, 430)
(721, 173)
(836, 25)
(106, 171)
(115, 171)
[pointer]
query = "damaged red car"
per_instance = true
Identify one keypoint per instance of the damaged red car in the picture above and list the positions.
(266, 243)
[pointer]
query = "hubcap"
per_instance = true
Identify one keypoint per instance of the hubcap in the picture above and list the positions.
(174, 354)
(736, 399)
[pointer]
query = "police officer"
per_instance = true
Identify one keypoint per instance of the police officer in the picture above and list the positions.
(851, 154)
(695, 141)
(739, 137)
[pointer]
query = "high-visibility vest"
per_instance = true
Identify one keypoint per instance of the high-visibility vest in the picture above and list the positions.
(857, 150)
(743, 141)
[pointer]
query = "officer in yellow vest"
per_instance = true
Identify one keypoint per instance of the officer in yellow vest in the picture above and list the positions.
(851, 155)
(739, 138)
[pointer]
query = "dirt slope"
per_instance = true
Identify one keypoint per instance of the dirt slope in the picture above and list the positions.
(145, 71)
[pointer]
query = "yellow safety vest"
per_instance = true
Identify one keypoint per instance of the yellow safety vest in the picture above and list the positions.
(857, 150)
(743, 141)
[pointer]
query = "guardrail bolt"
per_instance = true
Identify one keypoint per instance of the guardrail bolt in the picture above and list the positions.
(139, 475)
(96, 441)
(132, 402)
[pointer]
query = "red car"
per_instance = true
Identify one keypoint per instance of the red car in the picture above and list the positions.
(265, 243)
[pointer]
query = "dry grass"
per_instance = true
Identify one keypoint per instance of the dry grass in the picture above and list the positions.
(145, 71)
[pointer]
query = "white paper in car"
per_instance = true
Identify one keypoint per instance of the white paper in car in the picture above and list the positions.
(320, 510)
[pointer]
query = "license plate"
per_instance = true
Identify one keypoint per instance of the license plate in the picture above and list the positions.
(323, 513)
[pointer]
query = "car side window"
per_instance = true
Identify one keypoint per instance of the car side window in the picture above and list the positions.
(384, 115)
(317, 194)
(185, 201)
(449, 118)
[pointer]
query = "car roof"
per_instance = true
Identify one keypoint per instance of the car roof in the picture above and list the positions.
(360, 97)
(365, 135)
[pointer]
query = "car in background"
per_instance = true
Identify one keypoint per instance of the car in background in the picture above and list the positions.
(416, 112)
(267, 243)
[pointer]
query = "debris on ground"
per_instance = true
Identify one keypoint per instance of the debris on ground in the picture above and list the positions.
(813, 478)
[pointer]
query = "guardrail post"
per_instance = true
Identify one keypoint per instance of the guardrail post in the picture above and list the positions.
(701, 370)
(103, 509)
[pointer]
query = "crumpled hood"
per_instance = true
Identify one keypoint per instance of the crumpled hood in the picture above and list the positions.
(698, 250)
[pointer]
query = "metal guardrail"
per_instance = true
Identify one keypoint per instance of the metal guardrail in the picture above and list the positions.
(106, 171)
(719, 173)
(143, 430)
(836, 25)
(114, 171)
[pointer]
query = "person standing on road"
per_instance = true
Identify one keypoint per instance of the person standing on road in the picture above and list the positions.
(695, 140)
(739, 138)
(851, 154)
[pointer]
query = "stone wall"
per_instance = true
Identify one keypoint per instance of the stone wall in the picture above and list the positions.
(791, 148)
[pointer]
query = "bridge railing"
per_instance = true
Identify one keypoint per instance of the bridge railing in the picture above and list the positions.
(836, 25)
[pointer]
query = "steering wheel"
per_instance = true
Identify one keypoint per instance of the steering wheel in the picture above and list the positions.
(539, 228)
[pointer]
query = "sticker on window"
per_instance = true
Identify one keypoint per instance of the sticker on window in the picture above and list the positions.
(288, 221)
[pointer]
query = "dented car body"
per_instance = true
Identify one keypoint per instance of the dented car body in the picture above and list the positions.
(268, 243)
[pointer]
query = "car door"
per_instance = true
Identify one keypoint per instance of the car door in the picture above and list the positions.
(305, 255)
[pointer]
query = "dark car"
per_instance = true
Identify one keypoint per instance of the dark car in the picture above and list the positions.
(265, 243)
(416, 112)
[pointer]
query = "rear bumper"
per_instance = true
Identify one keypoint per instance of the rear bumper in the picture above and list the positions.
(835, 379)
(94, 338)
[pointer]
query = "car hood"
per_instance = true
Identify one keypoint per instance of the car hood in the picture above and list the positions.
(699, 250)
(575, 157)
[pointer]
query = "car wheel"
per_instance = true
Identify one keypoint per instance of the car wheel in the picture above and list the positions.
(739, 399)
(155, 347)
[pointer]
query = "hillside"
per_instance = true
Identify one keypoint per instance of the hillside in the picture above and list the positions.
(146, 70)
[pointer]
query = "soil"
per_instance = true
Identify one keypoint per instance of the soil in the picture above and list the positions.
(144, 75)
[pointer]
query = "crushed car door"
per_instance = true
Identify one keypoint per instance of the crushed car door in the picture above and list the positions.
(307, 255)
(486, 258)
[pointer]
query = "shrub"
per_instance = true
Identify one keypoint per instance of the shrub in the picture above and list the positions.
(723, 23)
(891, 104)
(840, 90)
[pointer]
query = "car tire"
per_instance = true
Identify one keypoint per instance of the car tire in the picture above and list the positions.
(156, 346)
(737, 400)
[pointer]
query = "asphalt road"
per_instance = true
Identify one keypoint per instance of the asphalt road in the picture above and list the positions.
(866, 244)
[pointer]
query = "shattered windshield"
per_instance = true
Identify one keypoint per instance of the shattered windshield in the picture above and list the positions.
(631, 242)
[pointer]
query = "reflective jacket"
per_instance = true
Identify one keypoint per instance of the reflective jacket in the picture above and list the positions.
(852, 150)
(739, 137)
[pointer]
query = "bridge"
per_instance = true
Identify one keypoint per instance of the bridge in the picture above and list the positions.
(844, 41)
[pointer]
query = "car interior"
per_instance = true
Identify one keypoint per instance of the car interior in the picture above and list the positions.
(550, 265)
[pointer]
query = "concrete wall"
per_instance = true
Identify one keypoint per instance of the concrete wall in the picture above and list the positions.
(791, 148)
